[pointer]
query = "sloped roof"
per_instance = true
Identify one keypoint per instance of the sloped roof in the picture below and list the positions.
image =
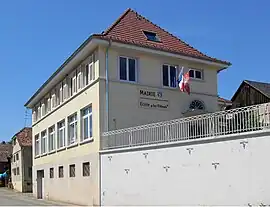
(24, 137)
(223, 100)
(264, 88)
(129, 28)
(5, 152)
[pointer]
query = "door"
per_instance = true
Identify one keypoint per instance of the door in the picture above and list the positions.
(40, 177)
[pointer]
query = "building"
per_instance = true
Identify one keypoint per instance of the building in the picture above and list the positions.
(123, 77)
(5, 153)
(224, 103)
(22, 160)
(251, 93)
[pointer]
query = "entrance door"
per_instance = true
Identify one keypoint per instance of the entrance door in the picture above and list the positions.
(40, 177)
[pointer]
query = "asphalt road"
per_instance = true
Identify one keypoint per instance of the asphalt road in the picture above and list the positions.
(10, 198)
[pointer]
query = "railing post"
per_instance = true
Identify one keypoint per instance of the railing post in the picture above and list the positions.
(167, 133)
(130, 139)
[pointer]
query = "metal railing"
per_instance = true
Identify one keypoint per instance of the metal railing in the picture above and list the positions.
(246, 119)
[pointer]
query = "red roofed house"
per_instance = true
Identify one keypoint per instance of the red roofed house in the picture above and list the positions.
(125, 76)
(21, 163)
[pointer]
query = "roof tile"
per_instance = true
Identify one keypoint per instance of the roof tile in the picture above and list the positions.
(129, 27)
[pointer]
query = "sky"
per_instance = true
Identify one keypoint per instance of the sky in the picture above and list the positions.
(36, 37)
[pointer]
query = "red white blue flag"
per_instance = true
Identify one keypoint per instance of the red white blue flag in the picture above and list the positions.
(183, 81)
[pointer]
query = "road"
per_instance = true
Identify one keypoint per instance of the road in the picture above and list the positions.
(10, 198)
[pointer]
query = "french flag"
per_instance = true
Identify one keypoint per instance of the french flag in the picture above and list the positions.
(183, 81)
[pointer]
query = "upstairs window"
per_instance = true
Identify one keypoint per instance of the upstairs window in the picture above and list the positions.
(72, 129)
(87, 123)
(43, 142)
(127, 69)
(51, 138)
(37, 146)
(196, 74)
(169, 75)
(151, 36)
(61, 134)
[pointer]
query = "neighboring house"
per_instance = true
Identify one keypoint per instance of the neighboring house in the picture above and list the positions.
(224, 103)
(22, 160)
(251, 93)
(5, 153)
(123, 77)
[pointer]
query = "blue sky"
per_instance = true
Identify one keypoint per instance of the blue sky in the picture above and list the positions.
(37, 36)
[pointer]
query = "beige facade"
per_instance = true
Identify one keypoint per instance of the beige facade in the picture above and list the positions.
(130, 103)
(21, 167)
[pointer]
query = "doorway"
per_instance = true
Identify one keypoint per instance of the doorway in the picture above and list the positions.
(40, 182)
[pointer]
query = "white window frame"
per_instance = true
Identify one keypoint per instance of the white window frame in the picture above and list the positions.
(65, 90)
(169, 77)
(53, 102)
(127, 69)
(34, 115)
(37, 145)
(43, 135)
(39, 112)
(49, 105)
(51, 139)
(194, 72)
(74, 83)
(88, 116)
(79, 80)
(73, 123)
(61, 94)
(61, 129)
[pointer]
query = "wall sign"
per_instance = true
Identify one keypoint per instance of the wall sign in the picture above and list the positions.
(152, 99)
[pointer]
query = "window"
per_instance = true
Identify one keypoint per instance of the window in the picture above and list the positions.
(74, 83)
(61, 172)
(43, 142)
(65, 90)
(17, 156)
(169, 75)
(86, 169)
(43, 109)
(49, 105)
(34, 116)
(29, 172)
(127, 69)
(14, 158)
(86, 123)
(54, 100)
(151, 36)
(18, 171)
(52, 172)
(57, 95)
(89, 72)
(196, 105)
(61, 134)
(51, 138)
(79, 80)
(72, 170)
(72, 129)
(196, 74)
(37, 146)
(39, 112)
(14, 171)
(61, 97)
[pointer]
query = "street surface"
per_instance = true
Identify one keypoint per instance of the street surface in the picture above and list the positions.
(10, 198)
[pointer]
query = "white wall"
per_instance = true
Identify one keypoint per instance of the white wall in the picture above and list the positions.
(241, 177)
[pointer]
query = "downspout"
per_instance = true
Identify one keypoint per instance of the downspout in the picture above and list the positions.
(107, 86)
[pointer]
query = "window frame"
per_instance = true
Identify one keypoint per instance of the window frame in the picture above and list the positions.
(63, 129)
(51, 173)
(90, 129)
(50, 134)
(43, 142)
(84, 174)
(72, 174)
(62, 175)
(127, 69)
(169, 77)
(75, 132)
(199, 70)
(37, 145)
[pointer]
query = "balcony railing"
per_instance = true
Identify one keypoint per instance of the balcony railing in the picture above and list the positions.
(235, 121)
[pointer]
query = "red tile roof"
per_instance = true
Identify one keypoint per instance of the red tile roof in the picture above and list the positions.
(220, 99)
(129, 29)
(5, 152)
(24, 137)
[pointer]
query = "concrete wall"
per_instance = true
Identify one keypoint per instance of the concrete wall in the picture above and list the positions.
(124, 97)
(229, 171)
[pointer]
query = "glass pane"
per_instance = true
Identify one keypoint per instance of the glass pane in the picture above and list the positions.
(191, 73)
(85, 128)
(90, 126)
(131, 69)
(123, 68)
(172, 76)
(86, 74)
(198, 74)
(165, 75)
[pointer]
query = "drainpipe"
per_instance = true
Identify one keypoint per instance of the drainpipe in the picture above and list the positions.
(107, 86)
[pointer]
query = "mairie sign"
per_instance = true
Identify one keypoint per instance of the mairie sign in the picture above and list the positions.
(151, 94)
